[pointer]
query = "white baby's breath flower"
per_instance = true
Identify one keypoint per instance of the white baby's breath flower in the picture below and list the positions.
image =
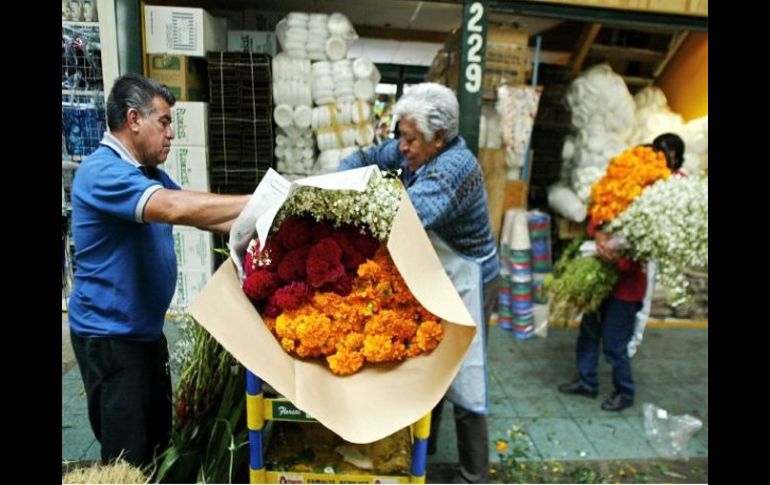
(668, 224)
(373, 209)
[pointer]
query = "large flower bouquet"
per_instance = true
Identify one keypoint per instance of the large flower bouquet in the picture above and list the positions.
(668, 224)
(580, 282)
(327, 287)
(342, 306)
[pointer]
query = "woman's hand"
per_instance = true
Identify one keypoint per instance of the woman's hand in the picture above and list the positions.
(604, 249)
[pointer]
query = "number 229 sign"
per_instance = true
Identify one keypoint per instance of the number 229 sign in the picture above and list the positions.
(473, 46)
(471, 70)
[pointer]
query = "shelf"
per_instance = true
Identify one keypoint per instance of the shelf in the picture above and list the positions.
(82, 92)
(72, 23)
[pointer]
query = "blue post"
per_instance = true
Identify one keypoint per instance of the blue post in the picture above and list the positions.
(255, 421)
(535, 68)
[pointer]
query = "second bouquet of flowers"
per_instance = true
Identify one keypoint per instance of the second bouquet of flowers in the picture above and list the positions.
(335, 296)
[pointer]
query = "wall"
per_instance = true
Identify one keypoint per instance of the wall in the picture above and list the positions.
(685, 81)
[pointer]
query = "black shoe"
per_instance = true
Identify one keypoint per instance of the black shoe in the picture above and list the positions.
(575, 387)
(617, 402)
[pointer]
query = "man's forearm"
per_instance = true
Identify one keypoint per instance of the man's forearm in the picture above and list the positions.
(198, 209)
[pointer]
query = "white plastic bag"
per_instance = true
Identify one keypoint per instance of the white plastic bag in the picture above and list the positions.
(669, 434)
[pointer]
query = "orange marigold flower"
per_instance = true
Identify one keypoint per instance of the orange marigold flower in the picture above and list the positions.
(345, 361)
(428, 335)
(626, 177)
(380, 348)
(378, 321)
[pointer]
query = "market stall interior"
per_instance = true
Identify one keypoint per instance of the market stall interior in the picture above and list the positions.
(296, 86)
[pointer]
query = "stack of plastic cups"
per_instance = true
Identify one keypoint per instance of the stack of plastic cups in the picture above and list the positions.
(504, 301)
(318, 34)
(540, 236)
(522, 310)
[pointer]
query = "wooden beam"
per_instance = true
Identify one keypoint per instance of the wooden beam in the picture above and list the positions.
(590, 31)
(637, 81)
(560, 58)
(611, 52)
(676, 42)
(364, 31)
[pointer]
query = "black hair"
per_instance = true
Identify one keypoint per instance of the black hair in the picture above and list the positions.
(134, 91)
(668, 143)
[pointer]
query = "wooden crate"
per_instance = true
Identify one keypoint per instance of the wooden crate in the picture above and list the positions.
(567, 229)
(492, 163)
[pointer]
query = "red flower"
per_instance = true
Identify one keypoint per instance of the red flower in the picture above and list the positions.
(321, 230)
(260, 284)
(253, 260)
(294, 232)
(292, 265)
(291, 296)
(351, 258)
(324, 262)
(249, 263)
(363, 243)
(271, 309)
(342, 286)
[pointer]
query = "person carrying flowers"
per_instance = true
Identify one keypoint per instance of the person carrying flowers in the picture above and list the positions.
(446, 186)
(612, 323)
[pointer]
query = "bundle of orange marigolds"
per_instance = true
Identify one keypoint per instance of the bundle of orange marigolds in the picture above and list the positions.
(627, 176)
(378, 321)
(326, 286)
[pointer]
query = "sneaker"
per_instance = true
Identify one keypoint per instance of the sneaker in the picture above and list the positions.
(576, 387)
(617, 402)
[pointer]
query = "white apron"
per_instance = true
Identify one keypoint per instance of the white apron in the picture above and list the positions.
(469, 388)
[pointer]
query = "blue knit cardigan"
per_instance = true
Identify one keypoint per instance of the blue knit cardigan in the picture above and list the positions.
(449, 196)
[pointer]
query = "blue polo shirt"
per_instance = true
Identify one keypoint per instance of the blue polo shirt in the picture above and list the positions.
(125, 269)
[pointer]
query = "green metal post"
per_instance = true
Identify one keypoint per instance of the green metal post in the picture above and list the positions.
(469, 91)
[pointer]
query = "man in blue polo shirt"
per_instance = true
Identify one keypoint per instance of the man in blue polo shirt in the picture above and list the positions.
(123, 209)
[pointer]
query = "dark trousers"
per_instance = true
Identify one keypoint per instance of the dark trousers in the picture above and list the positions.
(613, 325)
(128, 387)
(471, 428)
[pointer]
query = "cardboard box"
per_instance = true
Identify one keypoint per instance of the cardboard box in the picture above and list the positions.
(515, 195)
(185, 76)
(188, 284)
(181, 30)
(189, 119)
(567, 229)
(492, 163)
(188, 167)
(503, 34)
(251, 41)
(193, 249)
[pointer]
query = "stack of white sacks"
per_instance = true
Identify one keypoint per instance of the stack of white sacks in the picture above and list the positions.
(334, 94)
(603, 115)
(292, 112)
(654, 117)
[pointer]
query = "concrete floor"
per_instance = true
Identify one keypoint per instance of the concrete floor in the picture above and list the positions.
(671, 371)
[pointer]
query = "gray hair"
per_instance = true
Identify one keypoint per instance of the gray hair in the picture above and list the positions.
(432, 107)
(134, 91)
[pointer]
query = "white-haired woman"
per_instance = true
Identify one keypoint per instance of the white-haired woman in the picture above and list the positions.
(446, 187)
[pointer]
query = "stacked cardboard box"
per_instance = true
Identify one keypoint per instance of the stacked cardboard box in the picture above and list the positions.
(507, 61)
(187, 165)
